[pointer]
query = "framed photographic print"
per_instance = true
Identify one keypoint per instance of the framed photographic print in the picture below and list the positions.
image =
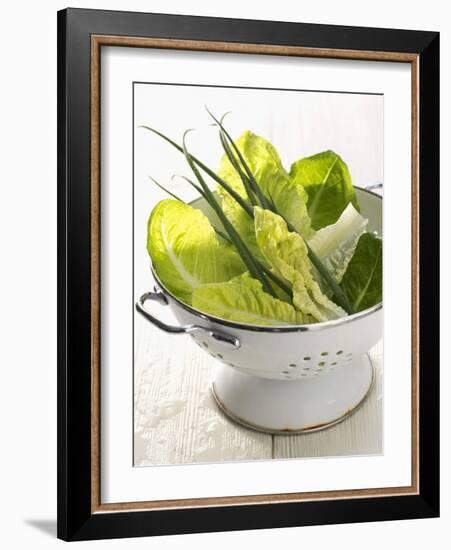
(248, 274)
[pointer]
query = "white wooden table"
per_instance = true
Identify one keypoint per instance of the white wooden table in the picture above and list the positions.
(177, 420)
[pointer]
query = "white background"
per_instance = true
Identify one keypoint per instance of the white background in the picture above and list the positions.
(122, 483)
(28, 230)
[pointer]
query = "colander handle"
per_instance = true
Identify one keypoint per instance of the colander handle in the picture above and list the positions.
(226, 340)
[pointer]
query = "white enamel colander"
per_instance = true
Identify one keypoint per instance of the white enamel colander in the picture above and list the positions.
(287, 379)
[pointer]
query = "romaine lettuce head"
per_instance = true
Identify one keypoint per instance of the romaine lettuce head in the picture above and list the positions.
(186, 251)
(335, 244)
(287, 253)
(327, 181)
(276, 184)
(243, 300)
(362, 282)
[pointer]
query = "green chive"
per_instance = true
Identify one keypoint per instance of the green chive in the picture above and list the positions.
(239, 199)
(191, 182)
(253, 182)
(242, 249)
(236, 166)
(165, 190)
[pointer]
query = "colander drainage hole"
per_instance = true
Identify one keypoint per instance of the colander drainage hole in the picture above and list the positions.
(292, 365)
(205, 344)
(324, 353)
(306, 359)
(219, 356)
(339, 352)
(321, 364)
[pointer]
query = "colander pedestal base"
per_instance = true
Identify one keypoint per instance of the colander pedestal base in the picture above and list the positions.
(293, 406)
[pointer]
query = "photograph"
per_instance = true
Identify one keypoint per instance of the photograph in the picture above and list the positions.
(232, 234)
(257, 273)
(248, 256)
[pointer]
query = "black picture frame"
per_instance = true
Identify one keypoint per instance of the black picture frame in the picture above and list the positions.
(76, 518)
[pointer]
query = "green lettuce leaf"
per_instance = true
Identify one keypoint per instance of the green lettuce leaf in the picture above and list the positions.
(336, 243)
(243, 223)
(327, 181)
(244, 301)
(287, 253)
(276, 184)
(185, 250)
(362, 282)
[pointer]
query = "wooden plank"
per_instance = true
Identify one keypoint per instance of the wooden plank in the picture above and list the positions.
(361, 434)
(176, 419)
(178, 422)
